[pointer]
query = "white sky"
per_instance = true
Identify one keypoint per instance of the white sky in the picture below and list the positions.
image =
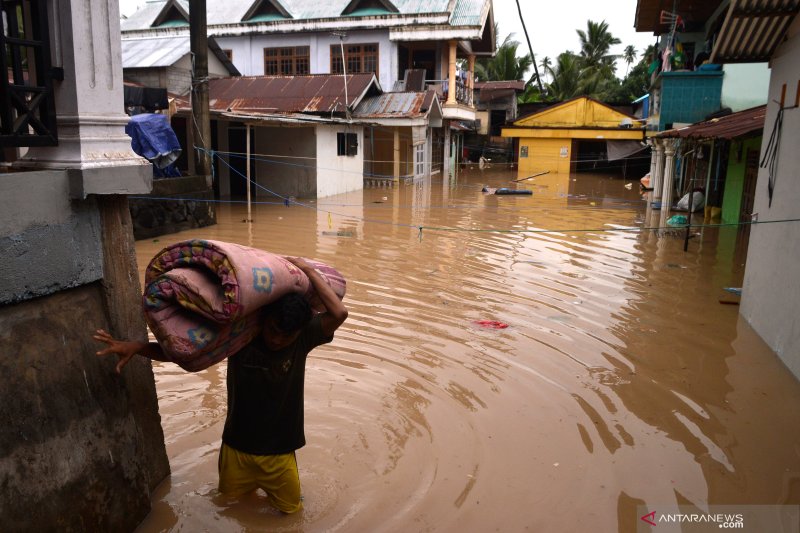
(551, 24)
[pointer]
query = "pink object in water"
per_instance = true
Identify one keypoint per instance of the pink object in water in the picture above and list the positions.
(493, 324)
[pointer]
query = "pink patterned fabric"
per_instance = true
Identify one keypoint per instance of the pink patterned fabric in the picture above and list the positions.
(201, 296)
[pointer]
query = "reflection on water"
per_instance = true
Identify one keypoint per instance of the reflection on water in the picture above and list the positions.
(621, 379)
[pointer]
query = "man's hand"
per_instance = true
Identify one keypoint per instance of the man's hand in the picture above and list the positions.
(336, 312)
(300, 263)
(124, 349)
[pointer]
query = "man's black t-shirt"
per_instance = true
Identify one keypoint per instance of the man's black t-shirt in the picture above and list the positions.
(265, 394)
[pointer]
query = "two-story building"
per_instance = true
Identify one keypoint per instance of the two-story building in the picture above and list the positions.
(409, 45)
(686, 88)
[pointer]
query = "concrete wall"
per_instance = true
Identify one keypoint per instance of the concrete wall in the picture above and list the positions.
(285, 162)
(338, 174)
(248, 51)
(771, 293)
(48, 242)
(176, 78)
(81, 447)
(745, 85)
(544, 155)
(162, 215)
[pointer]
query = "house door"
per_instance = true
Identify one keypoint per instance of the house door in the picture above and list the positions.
(749, 188)
(746, 209)
(237, 144)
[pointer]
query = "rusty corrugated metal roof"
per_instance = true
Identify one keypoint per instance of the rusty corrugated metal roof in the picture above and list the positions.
(394, 105)
(727, 127)
(316, 93)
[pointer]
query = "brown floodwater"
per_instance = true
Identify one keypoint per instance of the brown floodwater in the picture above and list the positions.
(621, 380)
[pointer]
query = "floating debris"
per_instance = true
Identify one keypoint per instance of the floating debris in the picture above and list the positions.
(338, 233)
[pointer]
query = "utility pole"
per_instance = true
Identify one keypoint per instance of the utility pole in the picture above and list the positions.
(201, 124)
(533, 58)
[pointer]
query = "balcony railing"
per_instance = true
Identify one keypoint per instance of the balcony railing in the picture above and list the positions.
(27, 107)
(442, 87)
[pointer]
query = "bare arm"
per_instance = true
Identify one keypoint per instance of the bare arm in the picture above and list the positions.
(336, 312)
(127, 349)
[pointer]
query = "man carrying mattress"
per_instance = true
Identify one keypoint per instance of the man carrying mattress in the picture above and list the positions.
(264, 423)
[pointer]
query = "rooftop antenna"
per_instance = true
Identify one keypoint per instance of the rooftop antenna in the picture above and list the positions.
(341, 35)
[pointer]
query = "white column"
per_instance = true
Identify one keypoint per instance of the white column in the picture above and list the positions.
(656, 181)
(89, 101)
(669, 173)
(652, 144)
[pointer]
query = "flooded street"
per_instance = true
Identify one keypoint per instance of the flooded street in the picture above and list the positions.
(621, 380)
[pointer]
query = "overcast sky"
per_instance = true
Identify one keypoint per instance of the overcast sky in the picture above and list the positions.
(551, 24)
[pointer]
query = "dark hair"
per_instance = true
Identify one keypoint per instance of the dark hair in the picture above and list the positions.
(291, 312)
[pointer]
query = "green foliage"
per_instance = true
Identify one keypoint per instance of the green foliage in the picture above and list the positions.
(505, 65)
(591, 71)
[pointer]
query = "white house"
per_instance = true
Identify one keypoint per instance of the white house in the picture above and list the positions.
(760, 30)
(439, 39)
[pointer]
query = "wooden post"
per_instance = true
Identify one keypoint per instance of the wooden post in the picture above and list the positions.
(396, 169)
(451, 86)
(201, 124)
(123, 297)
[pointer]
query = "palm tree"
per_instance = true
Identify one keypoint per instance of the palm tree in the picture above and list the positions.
(546, 64)
(565, 77)
(629, 55)
(596, 42)
(505, 65)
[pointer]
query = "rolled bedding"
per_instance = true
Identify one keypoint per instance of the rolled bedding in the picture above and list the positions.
(201, 297)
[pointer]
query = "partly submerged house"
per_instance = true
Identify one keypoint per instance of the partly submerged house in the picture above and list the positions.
(386, 38)
(722, 159)
(573, 135)
(166, 62)
(314, 136)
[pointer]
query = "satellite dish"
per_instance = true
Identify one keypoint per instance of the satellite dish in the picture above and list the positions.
(626, 123)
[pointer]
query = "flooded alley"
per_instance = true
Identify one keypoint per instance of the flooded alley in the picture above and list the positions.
(621, 379)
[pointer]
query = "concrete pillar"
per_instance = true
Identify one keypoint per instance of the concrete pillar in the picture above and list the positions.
(396, 154)
(669, 173)
(652, 144)
(446, 149)
(451, 75)
(656, 180)
(89, 102)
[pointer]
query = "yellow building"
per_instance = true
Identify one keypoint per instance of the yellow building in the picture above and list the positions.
(551, 139)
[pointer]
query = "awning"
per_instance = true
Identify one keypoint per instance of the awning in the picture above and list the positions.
(728, 127)
(622, 149)
(753, 29)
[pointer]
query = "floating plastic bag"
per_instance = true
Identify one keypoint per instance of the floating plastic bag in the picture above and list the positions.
(677, 220)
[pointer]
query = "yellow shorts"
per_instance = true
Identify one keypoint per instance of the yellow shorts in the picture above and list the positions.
(240, 473)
